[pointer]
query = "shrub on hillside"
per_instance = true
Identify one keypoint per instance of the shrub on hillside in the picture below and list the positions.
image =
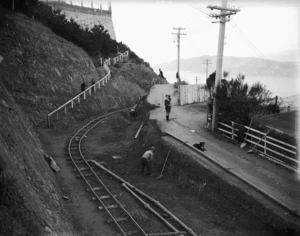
(96, 41)
(239, 102)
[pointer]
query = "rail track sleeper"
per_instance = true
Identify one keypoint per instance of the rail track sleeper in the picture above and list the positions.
(88, 175)
(132, 232)
(97, 188)
(84, 168)
(119, 219)
(102, 197)
(168, 234)
(108, 207)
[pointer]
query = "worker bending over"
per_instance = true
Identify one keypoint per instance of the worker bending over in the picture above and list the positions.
(146, 160)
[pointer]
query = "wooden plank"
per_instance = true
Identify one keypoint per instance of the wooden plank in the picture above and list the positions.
(275, 145)
(279, 141)
(108, 207)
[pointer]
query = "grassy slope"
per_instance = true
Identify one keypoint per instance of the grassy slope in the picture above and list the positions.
(40, 69)
(285, 122)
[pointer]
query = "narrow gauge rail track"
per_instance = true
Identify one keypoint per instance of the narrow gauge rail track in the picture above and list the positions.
(105, 199)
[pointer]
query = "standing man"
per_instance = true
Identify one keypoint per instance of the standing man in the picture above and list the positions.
(147, 159)
(168, 106)
(93, 81)
(161, 73)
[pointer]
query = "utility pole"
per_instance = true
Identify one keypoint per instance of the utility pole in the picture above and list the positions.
(178, 52)
(13, 5)
(196, 80)
(224, 16)
(206, 62)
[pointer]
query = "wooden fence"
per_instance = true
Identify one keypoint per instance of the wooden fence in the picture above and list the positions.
(281, 152)
(88, 92)
(194, 93)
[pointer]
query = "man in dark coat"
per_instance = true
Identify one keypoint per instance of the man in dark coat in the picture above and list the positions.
(168, 106)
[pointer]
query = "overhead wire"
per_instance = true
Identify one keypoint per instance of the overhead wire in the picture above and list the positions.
(252, 46)
(208, 13)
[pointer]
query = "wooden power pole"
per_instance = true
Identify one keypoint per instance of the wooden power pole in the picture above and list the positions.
(178, 51)
(206, 62)
(224, 16)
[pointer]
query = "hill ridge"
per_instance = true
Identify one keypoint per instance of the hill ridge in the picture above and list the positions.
(251, 66)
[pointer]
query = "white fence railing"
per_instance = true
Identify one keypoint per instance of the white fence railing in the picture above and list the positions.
(281, 152)
(90, 89)
(193, 93)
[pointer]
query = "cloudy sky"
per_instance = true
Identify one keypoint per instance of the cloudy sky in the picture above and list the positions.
(259, 30)
(263, 28)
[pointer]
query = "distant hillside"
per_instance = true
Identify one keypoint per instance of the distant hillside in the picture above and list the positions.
(292, 101)
(245, 65)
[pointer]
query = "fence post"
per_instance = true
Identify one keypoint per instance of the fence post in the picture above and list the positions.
(90, 91)
(84, 96)
(57, 115)
(232, 130)
(265, 144)
(65, 109)
(72, 104)
(79, 99)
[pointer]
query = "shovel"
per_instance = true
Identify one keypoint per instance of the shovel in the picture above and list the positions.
(244, 144)
(161, 173)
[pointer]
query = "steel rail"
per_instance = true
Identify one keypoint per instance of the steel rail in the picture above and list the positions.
(78, 138)
(150, 208)
(82, 133)
(157, 203)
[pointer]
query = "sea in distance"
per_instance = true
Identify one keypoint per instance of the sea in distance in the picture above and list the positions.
(279, 86)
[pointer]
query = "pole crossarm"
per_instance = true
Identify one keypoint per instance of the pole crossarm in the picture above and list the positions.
(220, 15)
(229, 9)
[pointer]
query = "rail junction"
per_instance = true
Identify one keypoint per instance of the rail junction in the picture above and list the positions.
(94, 175)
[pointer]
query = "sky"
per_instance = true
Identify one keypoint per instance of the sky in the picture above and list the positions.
(261, 28)
(267, 29)
(258, 30)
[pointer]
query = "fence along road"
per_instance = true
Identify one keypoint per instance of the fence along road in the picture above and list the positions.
(273, 149)
(88, 91)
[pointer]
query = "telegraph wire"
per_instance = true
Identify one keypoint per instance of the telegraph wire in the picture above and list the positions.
(253, 47)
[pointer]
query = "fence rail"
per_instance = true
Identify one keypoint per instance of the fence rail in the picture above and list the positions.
(93, 88)
(277, 150)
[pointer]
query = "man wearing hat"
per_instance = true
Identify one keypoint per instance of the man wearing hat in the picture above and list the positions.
(146, 160)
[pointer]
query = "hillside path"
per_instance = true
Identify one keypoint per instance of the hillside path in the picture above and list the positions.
(187, 123)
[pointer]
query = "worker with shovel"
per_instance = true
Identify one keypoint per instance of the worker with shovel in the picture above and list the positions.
(147, 159)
